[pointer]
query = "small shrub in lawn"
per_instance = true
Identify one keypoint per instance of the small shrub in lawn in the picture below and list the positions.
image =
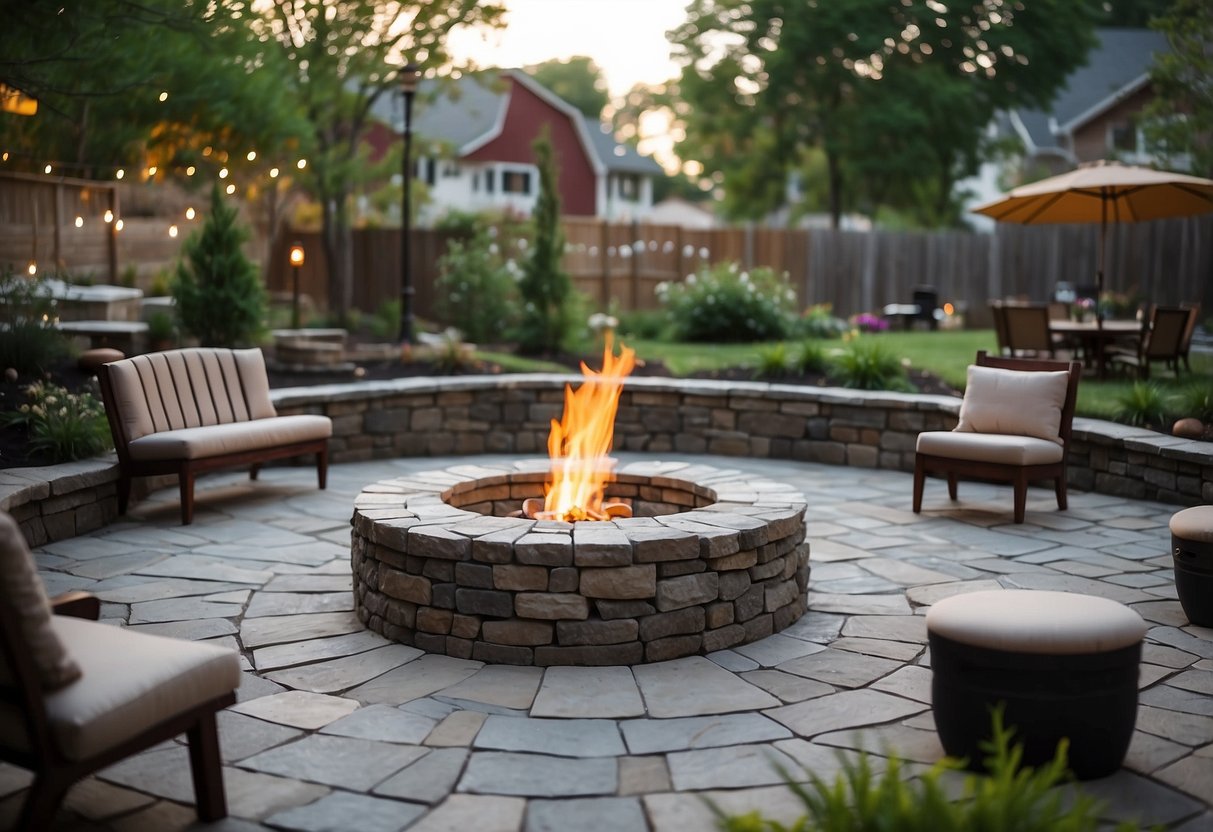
(811, 358)
(29, 341)
(772, 361)
(62, 426)
(1142, 404)
(819, 322)
(646, 324)
(1194, 399)
(476, 289)
(867, 364)
(1010, 798)
(867, 322)
(725, 303)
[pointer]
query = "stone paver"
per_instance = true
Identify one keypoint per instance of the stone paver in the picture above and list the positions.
(439, 744)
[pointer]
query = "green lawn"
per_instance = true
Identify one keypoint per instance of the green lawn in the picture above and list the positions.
(946, 354)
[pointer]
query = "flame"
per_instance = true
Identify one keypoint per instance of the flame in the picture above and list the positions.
(579, 443)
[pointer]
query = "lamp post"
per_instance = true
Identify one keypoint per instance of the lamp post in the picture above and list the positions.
(296, 260)
(408, 76)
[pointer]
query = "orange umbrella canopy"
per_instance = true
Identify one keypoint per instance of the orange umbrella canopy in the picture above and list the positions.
(1104, 192)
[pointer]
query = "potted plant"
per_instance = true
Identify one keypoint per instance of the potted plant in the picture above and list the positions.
(161, 332)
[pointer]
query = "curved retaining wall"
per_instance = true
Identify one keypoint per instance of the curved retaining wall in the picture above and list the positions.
(511, 414)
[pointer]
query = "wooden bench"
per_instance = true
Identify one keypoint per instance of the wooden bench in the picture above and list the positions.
(190, 411)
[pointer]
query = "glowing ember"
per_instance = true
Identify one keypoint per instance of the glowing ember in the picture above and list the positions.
(579, 443)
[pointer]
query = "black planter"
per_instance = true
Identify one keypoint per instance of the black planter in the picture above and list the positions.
(1194, 579)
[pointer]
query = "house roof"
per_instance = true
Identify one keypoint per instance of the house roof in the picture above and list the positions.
(1116, 67)
(469, 111)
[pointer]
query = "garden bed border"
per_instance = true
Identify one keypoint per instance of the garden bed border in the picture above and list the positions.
(511, 414)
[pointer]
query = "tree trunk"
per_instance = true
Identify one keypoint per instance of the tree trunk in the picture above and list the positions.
(834, 176)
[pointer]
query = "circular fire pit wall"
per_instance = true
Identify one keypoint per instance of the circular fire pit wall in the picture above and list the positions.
(711, 559)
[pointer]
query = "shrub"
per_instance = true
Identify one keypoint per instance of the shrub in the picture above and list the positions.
(29, 341)
(773, 361)
(475, 288)
(867, 322)
(385, 323)
(726, 304)
(1194, 399)
(811, 358)
(1011, 798)
(648, 324)
(161, 329)
(819, 322)
(219, 297)
(1142, 404)
(62, 426)
(867, 364)
(545, 287)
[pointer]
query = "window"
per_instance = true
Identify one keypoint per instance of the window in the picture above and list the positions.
(516, 182)
(489, 181)
(629, 186)
(450, 170)
(430, 171)
(1123, 137)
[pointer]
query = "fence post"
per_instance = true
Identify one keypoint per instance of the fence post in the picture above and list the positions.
(604, 238)
(111, 235)
(634, 230)
(747, 246)
(57, 245)
(868, 277)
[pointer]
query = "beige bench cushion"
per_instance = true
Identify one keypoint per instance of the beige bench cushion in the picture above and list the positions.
(22, 590)
(1014, 402)
(217, 440)
(190, 388)
(131, 682)
(1195, 524)
(1036, 621)
(989, 447)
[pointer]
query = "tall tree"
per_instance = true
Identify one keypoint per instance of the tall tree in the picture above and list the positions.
(343, 57)
(1179, 122)
(545, 287)
(891, 93)
(578, 80)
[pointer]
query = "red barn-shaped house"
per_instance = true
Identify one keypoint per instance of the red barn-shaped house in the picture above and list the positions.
(474, 151)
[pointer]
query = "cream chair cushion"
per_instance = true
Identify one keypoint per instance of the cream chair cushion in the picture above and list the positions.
(131, 681)
(1036, 621)
(22, 590)
(989, 447)
(217, 440)
(998, 401)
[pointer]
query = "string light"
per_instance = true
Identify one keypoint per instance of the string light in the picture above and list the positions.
(164, 96)
(172, 231)
(252, 154)
(5, 157)
(231, 189)
(79, 222)
(118, 225)
(33, 268)
(109, 216)
(46, 169)
(273, 173)
(302, 164)
(190, 170)
(223, 173)
(189, 213)
(152, 171)
(121, 173)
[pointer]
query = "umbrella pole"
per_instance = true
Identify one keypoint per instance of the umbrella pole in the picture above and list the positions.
(1103, 244)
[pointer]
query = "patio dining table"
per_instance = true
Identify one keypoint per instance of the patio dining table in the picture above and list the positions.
(1094, 338)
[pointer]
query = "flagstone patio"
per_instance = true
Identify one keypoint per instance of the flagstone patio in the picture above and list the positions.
(337, 728)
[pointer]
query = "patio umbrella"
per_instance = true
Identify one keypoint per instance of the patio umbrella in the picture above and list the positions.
(1104, 192)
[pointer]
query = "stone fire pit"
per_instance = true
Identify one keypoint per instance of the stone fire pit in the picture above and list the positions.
(711, 559)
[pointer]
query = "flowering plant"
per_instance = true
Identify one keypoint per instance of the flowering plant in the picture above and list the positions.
(725, 303)
(62, 426)
(867, 322)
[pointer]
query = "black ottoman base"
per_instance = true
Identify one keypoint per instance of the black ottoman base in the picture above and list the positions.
(1194, 579)
(1091, 699)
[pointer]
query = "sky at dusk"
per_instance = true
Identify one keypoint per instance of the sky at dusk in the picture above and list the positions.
(625, 37)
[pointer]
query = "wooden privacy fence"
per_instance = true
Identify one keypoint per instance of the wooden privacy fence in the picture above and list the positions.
(1164, 262)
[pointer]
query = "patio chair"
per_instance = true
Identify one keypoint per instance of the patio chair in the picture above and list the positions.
(997, 312)
(1028, 330)
(77, 695)
(1014, 427)
(1185, 344)
(1161, 340)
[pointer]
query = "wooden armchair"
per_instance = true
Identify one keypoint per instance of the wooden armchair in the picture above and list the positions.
(77, 695)
(1027, 329)
(1185, 344)
(1014, 427)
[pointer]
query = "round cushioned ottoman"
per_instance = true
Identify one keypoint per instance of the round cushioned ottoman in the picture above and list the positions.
(1192, 549)
(1064, 665)
(91, 360)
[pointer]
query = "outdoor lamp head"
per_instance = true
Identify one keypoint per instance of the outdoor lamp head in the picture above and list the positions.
(297, 255)
(408, 76)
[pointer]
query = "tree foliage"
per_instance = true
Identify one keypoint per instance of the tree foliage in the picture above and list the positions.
(896, 96)
(545, 288)
(577, 80)
(1179, 122)
(343, 56)
(217, 292)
